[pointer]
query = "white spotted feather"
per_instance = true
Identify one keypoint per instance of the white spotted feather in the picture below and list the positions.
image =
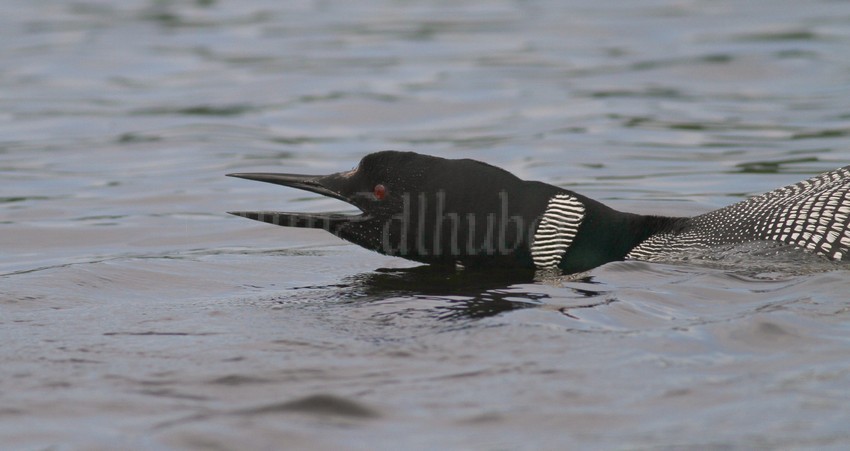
(811, 215)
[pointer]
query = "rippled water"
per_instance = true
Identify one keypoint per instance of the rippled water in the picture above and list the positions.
(136, 314)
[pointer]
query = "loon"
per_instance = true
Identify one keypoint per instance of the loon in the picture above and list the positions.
(464, 212)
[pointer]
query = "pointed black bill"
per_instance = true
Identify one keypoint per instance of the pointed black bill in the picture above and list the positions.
(312, 183)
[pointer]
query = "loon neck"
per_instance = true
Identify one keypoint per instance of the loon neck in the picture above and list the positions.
(607, 235)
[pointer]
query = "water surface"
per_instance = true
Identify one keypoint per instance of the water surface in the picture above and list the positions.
(136, 314)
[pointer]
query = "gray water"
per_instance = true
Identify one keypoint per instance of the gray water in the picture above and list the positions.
(134, 313)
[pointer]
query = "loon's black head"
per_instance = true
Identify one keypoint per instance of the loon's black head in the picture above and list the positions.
(423, 208)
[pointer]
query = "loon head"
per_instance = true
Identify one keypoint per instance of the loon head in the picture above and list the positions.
(423, 208)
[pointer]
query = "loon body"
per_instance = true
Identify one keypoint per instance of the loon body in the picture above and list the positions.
(445, 212)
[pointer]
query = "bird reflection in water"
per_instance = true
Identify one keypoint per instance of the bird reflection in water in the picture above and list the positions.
(467, 294)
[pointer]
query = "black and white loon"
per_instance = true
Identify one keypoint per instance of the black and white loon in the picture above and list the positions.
(446, 212)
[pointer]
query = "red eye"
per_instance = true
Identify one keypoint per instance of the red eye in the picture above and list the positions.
(380, 192)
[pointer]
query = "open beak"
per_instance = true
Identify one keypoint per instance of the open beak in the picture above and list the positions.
(325, 185)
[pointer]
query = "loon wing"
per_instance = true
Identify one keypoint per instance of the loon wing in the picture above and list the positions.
(813, 215)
